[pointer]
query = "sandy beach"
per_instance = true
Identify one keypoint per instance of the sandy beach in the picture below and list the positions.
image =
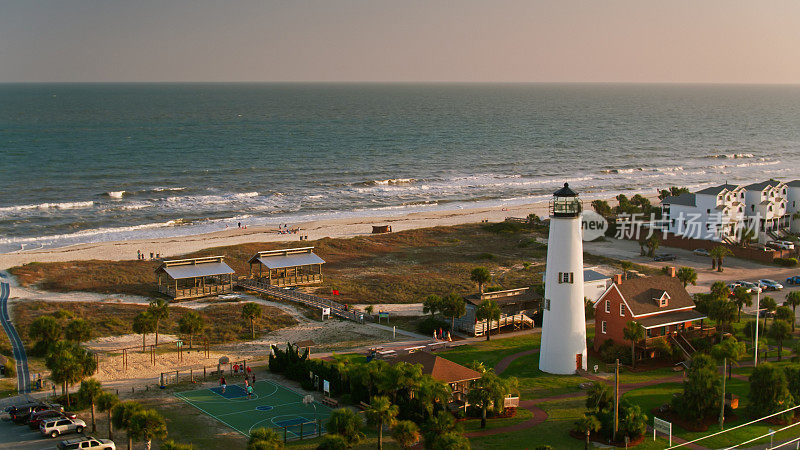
(335, 228)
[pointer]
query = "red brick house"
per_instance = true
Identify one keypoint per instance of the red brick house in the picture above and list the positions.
(660, 304)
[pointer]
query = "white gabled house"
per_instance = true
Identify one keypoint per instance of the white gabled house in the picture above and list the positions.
(720, 213)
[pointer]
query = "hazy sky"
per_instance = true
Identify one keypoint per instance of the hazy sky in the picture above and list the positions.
(718, 41)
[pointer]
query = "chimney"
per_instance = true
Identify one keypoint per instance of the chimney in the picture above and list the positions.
(618, 279)
(671, 271)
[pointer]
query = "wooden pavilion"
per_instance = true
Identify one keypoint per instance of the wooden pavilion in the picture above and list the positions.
(286, 267)
(196, 277)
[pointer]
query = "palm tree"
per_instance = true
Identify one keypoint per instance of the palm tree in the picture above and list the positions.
(89, 391)
(488, 311)
(405, 433)
(69, 363)
(687, 275)
(599, 397)
(793, 300)
(723, 311)
(143, 324)
(780, 330)
(769, 305)
(718, 254)
(264, 439)
(588, 424)
(480, 276)
(453, 306)
(106, 402)
(159, 310)
(121, 415)
(251, 312)
(346, 423)
(633, 332)
(488, 391)
(78, 331)
(431, 304)
(742, 297)
(191, 323)
(729, 349)
(381, 411)
(625, 266)
(146, 425)
(653, 242)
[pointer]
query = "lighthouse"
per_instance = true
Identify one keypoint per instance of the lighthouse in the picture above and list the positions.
(563, 347)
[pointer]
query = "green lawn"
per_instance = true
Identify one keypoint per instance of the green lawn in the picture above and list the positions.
(491, 352)
(475, 424)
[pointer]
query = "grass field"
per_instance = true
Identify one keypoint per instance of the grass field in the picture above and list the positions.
(271, 405)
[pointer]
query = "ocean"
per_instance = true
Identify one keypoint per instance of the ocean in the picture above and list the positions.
(96, 162)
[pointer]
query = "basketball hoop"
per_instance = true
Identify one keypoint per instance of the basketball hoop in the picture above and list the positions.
(308, 399)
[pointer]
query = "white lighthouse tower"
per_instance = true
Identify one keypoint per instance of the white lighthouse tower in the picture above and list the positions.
(563, 348)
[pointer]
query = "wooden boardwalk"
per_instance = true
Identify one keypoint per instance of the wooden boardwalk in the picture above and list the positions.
(337, 309)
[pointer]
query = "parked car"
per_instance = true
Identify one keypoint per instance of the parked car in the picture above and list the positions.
(665, 257)
(55, 428)
(87, 442)
(732, 287)
(793, 280)
(20, 414)
(751, 287)
(700, 252)
(37, 418)
(781, 245)
(770, 285)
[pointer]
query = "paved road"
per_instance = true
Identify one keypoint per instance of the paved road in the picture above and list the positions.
(23, 378)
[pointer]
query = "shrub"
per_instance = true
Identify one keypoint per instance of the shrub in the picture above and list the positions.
(485, 255)
(504, 227)
(429, 324)
(11, 367)
(785, 262)
(611, 351)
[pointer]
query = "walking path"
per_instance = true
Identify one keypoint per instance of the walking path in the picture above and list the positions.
(539, 415)
(23, 379)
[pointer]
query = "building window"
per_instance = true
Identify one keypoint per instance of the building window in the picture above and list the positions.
(649, 334)
(608, 306)
(622, 310)
(547, 304)
(603, 326)
(565, 277)
(708, 211)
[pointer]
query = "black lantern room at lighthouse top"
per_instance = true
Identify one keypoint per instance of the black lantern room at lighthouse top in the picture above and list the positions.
(565, 203)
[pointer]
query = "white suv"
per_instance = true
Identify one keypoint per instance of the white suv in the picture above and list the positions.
(54, 428)
(88, 443)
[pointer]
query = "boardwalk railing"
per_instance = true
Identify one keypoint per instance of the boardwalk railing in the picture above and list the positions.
(337, 309)
(199, 291)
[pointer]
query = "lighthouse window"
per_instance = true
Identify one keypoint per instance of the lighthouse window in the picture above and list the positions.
(565, 277)
(604, 326)
(547, 304)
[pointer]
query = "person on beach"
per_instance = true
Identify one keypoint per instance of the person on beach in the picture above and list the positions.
(222, 384)
(151, 255)
(138, 254)
(239, 225)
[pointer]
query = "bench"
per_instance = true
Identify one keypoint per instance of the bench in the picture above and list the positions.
(363, 405)
(327, 401)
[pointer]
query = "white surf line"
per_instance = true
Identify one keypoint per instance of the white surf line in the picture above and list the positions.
(211, 415)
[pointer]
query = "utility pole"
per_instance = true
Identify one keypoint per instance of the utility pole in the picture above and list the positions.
(755, 353)
(616, 400)
(722, 407)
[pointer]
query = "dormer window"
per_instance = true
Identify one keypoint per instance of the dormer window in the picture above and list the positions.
(663, 300)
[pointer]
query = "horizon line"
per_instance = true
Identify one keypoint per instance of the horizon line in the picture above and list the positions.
(421, 82)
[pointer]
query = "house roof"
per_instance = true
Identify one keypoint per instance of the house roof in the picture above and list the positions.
(763, 185)
(194, 268)
(670, 318)
(438, 367)
(291, 257)
(639, 294)
(683, 199)
(593, 275)
(505, 298)
(715, 190)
